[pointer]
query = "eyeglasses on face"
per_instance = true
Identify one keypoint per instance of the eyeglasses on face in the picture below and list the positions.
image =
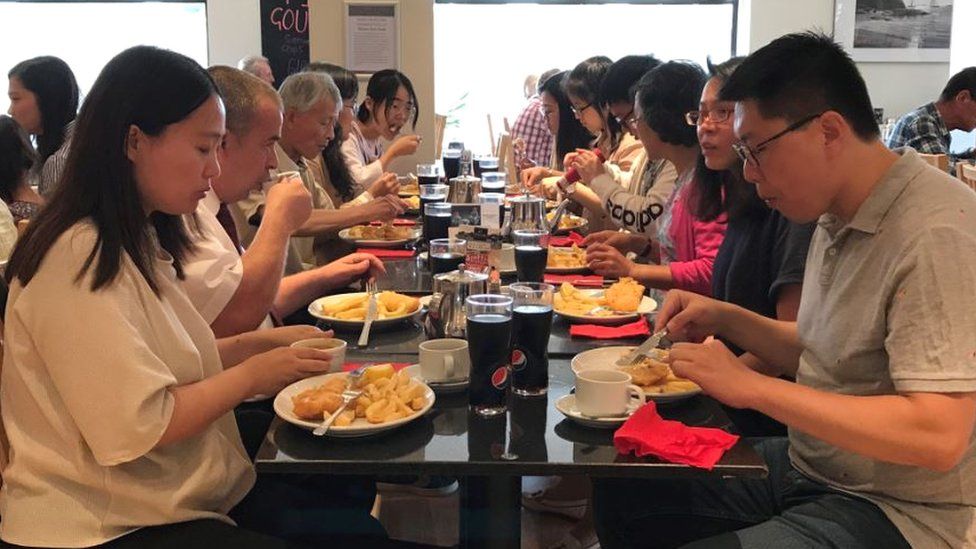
(546, 113)
(715, 116)
(750, 155)
(628, 121)
(400, 106)
(578, 111)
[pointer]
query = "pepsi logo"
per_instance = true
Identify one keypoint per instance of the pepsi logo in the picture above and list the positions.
(500, 378)
(518, 360)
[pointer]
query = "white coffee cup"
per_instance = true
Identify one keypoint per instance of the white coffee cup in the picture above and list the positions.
(336, 348)
(444, 360)
(603, 393)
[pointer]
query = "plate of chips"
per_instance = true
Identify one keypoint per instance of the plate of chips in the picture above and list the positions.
(349, 310)
(389, 399)
(386, 235)
(624, 301)
(568, 222)
(566, 260)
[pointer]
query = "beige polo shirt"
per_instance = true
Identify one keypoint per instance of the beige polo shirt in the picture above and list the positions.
(86, 395)
(889, 307)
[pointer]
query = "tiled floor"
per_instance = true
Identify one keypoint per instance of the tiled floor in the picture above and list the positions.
(434, 521)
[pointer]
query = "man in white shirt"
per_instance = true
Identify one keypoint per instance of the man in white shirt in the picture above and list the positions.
(236, 291)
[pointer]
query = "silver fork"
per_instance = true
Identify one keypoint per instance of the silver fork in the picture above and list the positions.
(371, 312)
(349, 395)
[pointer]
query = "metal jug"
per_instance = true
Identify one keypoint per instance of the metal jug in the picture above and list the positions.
(528, 212)
(445, 314)
(464, 189)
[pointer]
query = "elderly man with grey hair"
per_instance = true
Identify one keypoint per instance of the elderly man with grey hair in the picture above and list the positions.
(311, 103)
(259, 66)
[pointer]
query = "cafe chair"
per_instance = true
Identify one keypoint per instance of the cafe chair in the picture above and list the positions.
(967, 172)
(491, 136)
(940, 161)
(440, 122)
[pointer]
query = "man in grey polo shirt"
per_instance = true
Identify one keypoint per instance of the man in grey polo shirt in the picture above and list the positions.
(880, 450)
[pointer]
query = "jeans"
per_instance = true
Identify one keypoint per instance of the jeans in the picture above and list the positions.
(784, 510)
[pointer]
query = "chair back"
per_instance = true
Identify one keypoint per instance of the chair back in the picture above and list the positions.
(940, 161)
(440, 122)
(967, 172)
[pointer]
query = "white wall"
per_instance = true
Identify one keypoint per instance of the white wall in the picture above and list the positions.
(327, 43)
(897, 87)
(233, 30)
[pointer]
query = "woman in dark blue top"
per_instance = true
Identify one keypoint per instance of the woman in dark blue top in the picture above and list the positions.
(761, 261)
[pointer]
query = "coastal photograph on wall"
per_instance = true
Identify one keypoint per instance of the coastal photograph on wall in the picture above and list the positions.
(895, 30)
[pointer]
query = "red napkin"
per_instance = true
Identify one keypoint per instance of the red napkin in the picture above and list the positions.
(573, 238)
(399, 222)
(646, 433)
(350, 366)
(634, 329)
(594, 281)
(384, 253)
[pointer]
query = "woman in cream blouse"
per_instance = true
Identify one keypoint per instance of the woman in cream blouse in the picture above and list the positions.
(116, 398)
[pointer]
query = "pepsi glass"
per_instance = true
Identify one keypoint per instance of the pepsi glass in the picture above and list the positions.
(531, 325)
(531, 254)
(489, 332)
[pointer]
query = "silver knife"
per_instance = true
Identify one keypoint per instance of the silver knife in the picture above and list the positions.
(652, 343)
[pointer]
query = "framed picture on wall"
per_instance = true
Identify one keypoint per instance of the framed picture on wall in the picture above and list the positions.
(894, 30)
(372, 36)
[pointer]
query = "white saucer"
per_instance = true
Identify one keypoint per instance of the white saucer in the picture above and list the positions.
(567, 407)
(439, 386)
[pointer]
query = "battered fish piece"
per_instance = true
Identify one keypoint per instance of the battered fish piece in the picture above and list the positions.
(624, 296)
(314, 403)
(648, 372)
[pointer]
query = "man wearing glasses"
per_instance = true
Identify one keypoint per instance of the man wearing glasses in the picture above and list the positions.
(880, 449)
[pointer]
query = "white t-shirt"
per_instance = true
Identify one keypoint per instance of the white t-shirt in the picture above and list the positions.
(214, 270)
(362, 156)
(86, 395)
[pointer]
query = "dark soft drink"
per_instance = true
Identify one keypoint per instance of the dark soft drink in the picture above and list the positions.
(436, 226)
(489, 337)
(452, 167)
(530, 263)
(445, 263)
(531, 325)
(428, 180)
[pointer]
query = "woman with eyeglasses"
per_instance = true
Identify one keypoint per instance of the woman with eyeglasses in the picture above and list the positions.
(389, 104)
(761, 261)
(563, 124)
(688, 244)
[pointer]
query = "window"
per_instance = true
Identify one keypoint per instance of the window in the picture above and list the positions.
(483, 50)
(88, 34)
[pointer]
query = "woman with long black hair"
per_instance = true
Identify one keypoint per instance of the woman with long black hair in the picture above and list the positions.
(44, 100)
(119, 424)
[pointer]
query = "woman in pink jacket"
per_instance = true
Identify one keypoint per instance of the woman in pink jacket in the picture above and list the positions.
(688, 243)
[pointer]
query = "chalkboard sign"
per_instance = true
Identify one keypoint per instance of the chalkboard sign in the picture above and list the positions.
(284, 35)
